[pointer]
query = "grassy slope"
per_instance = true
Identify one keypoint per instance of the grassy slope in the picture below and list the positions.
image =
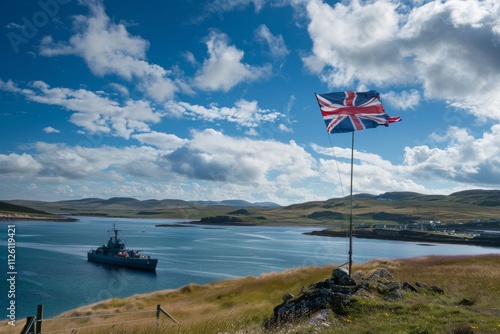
(241, 305)
(12, 208)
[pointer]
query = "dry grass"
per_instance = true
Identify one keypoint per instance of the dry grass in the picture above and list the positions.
(473, 277)
(470, 304)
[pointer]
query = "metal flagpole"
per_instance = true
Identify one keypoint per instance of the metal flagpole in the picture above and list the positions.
(350, 215)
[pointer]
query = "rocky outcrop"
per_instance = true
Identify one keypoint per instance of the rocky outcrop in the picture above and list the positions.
(336, 292)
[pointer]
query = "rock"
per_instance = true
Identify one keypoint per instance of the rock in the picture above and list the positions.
(340, 272)
(341, 277)
(466, 302)
(437, 290)
(321, 318)
(358, 277)
(395, 294)
(346, 280)
(392, 285)
(335, 294)
(408, 286)
(288, 297)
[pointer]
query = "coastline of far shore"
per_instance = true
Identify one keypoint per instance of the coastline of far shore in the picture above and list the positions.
(24, 217)
(381, 234)
(411, 236)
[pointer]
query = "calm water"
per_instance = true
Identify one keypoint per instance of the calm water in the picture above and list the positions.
(52, 267)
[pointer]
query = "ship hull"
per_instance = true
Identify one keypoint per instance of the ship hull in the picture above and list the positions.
(137, 263)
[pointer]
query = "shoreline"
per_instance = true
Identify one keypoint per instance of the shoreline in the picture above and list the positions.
(410, 236)
(379, 234)
(24, 217)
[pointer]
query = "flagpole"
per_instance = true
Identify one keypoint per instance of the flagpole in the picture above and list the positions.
(332, 105)
(350, 215)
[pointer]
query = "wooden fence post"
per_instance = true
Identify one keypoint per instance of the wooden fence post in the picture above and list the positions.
(160, 309)
(28, 328)
(39, 319)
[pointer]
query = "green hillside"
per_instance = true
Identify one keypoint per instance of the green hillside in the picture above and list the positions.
(8, 207)
(9, 211)
(388, 208)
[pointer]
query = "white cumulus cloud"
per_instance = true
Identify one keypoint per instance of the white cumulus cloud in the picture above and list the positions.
(224, 69)
(447, 49)
(109, 49)
(94, 112)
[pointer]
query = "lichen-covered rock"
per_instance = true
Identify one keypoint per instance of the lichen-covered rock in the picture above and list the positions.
(321, 318)
(340, 276)
(336, 292)
(395, 294)
(340, 272)
(380, 281)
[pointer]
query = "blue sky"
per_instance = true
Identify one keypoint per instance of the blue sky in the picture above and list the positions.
(214, 100)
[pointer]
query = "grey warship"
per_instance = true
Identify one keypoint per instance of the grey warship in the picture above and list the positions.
(116, 253)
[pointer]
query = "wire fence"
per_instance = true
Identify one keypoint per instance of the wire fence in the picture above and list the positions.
(77, 323)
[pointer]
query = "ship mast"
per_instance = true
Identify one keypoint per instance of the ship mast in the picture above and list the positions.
(115, 232)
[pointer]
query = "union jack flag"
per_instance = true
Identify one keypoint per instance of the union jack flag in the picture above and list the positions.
(352, 111)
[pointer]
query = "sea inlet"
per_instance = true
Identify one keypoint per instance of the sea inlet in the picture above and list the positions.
(52, 267)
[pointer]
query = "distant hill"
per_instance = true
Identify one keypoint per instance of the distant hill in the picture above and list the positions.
(400, 195)
(8, 207)
(386, 208)
(402, 207)
(127, 206)
(234, 202)
(9, 211)
(477, 197)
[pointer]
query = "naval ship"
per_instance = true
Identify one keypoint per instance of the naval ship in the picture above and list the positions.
(116, 253)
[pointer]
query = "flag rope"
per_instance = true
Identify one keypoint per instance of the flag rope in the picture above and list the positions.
(336, 164)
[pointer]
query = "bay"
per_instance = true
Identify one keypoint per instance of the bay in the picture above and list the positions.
(52, 269)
